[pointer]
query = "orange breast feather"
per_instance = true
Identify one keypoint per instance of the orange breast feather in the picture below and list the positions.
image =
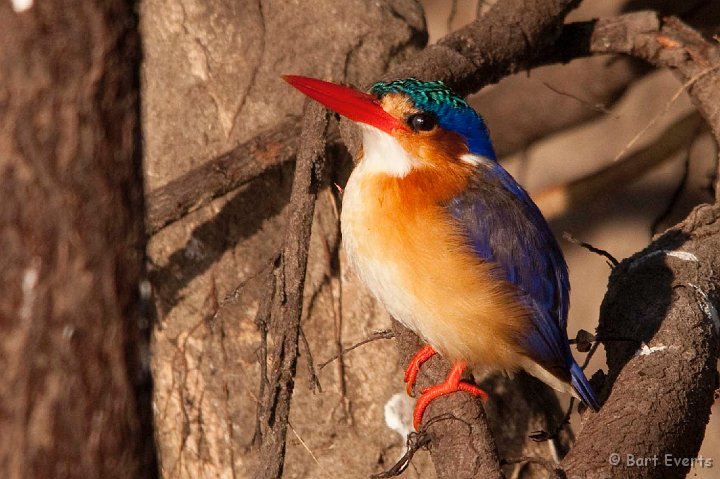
(415, 259)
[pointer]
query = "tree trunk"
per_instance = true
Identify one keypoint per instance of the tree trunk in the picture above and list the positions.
(74, 388)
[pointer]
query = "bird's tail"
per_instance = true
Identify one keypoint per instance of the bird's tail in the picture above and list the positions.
(582, 387)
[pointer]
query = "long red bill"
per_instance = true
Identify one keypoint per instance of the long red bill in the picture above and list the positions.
(354, 104)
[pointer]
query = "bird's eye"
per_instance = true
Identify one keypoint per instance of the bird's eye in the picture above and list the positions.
(422, 121)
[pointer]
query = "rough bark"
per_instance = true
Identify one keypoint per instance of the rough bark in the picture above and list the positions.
(283, 324)
(487, 50)
(658, 397)
(74, 384)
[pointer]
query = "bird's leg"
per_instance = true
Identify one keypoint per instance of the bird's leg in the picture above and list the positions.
(452, 383)
(425, 353)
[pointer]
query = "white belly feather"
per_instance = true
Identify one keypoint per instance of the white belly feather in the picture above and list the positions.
(381, 276)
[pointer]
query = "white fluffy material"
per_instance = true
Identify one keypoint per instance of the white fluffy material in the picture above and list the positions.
(383, 154)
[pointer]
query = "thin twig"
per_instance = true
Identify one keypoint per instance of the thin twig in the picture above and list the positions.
(381, 334)
(314, 380)
(262, 318)
(607, 339)
(284, 326)
(305, 446)
(589, 355)
(597, 107)
(234, 296)
(415, 442)
(568, 237)
(665, 109)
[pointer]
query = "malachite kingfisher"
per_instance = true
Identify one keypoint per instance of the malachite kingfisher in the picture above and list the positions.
(448, 241)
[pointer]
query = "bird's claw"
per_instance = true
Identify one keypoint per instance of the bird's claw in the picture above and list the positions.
(425, 353)
(451, 385)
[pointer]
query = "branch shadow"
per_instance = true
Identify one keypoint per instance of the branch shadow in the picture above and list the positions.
(519, 406)
(240, 218)
(637, 279)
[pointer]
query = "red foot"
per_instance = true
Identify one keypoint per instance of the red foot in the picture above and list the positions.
(425, 353)
(452, 383)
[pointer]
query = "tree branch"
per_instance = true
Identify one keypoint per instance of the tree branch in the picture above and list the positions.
(221, 175)
(659, 297)
(658, 399)
(506, 40)
(284, 327)
(461, 445)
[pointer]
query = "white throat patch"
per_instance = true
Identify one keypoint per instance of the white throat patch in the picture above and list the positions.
(383, 154)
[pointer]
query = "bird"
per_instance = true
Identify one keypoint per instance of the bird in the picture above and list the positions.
(448, 241)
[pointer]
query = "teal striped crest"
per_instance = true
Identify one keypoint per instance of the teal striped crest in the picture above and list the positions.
(423, 93)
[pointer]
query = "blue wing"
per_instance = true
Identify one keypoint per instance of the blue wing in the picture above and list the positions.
(505, 227)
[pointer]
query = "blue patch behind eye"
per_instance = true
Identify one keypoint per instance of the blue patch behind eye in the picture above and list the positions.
(454, 113)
